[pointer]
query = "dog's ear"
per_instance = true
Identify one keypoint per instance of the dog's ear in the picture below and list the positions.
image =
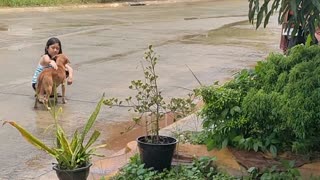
(55, 57)
(67, 58)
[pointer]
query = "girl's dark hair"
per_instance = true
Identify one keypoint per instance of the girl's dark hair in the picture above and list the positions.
(51, 41)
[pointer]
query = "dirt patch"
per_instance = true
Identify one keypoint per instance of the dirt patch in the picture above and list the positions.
(263, 161)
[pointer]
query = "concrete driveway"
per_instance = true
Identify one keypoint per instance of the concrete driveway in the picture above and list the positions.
(106, 45)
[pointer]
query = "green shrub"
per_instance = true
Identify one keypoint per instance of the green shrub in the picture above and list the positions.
(274, 107)
(288, 172)
(200, 168)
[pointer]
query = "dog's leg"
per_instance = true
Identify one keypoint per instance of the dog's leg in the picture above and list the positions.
(37, 95)
(36, 102)
(45, 102)
(63, 89)
(47, 97)
(55, 94)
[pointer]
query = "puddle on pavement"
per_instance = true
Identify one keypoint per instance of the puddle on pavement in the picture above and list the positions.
(3, 28)
(19, 30)
(235, 34)
(120, 135)
(76, 24)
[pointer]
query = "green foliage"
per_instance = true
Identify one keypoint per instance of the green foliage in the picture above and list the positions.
(191, 137)
(306, 13)
(180, 107)
(70, 154)
(225, 108)
(149, 103)
(205, 169)
(201, 168)
(273, 173)
(274, 107)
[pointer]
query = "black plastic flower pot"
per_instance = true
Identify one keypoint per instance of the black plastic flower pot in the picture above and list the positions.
(76, 174)
(157, 155)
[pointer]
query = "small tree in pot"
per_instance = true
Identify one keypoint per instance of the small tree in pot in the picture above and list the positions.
(73, 156)
(155, 150)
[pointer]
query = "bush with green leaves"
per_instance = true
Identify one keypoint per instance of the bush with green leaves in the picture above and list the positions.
(201, 168)
(288, 172)
(274, 107)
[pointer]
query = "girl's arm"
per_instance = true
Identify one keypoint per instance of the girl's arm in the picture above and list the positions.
(46, 61)
(70, 70)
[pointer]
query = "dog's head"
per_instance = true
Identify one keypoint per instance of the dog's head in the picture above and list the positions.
(61, 59)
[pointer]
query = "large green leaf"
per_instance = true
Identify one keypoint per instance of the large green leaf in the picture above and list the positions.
(64, 142)
(78, 151)
(92, 139)
(32, 139)
(92, 119)
(266, 21)
(75, 140)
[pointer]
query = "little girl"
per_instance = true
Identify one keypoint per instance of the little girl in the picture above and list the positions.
(53, 47)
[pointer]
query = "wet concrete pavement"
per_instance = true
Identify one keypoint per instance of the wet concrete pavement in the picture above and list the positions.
(105, 46)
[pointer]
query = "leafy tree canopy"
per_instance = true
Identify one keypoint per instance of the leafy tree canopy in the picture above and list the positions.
(306, 13)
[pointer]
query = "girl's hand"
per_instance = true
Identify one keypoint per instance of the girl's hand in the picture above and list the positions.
(53, 64)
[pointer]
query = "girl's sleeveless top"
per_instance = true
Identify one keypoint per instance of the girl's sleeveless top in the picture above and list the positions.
(37, 72)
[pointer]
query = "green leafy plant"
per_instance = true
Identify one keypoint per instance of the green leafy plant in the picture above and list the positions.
(306, 13)
(70, 154)
(149, 103)
(190, 137)
(289, 172)
(200, 168)
(273, 107)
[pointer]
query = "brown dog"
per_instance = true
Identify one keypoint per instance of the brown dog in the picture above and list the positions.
(49, 79)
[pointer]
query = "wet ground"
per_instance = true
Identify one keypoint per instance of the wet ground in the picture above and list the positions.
(105, 46)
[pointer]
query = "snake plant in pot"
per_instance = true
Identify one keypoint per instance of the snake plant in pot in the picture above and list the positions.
(73, 155)
(156, 150)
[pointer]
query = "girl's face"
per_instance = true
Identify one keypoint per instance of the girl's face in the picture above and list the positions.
(53, 49)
